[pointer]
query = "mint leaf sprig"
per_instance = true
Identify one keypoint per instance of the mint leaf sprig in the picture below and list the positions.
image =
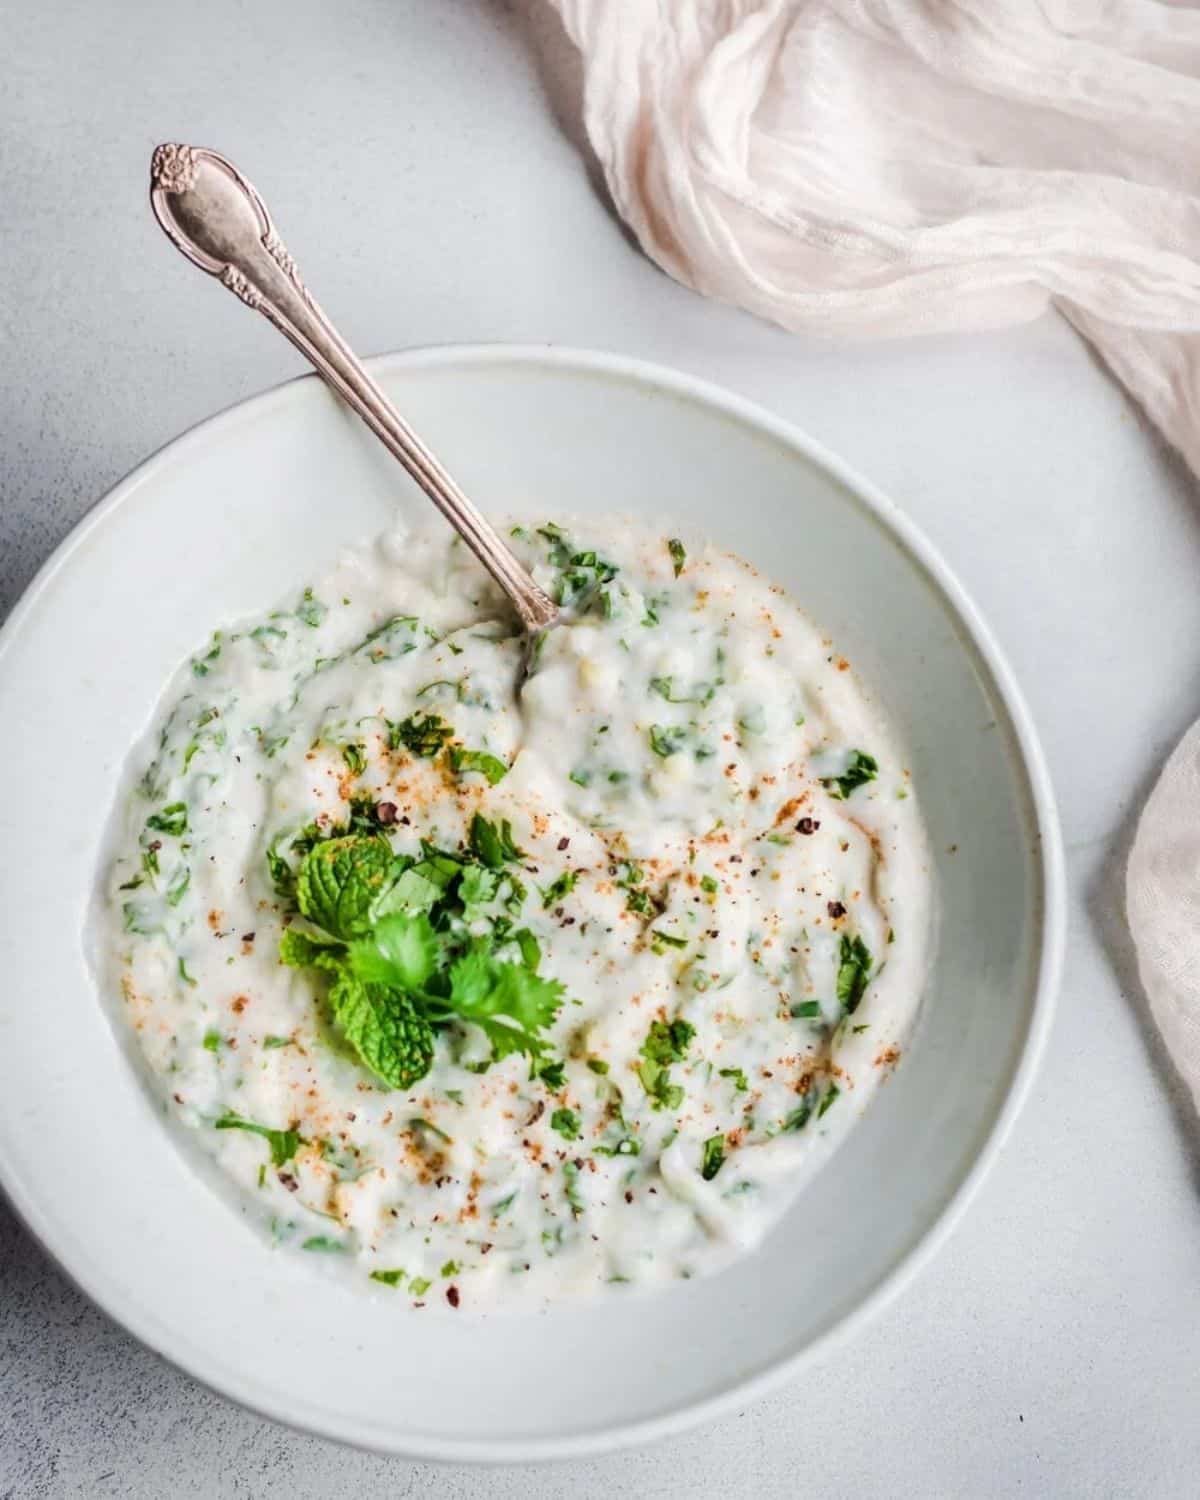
(390, 931)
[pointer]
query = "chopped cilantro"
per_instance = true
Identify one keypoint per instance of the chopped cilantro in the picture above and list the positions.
(388, 1278)
(420, 734)
(462, 761)
(665, 1043)
(310, 610)
(172, 820)
(667, 739)
(571, 1173)
(860, 769)
(566, 1122)
(659, 939)
(419, 1285)
(827, 1098)
(806, 1009)
(740, 1082)
(355, 757)
(559, 889)
(854, 972)
(180, 881)
(799, 1117)
(678, 554)
(493, 844)
(283, 1143)
(714, 1157)
(553, 1075)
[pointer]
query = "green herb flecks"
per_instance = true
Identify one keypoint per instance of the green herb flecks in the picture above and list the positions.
(389, 1278)
(171, 820)
(325, 1244)
(678, 554)
(420, 734)
(666, 1043)
(860, 769)
(571, 1176)
(558, 890)
(566, 1122)
(283, 1143)
(803, 1010)
(464, 761)
(714, 1157)
(854, 972)
(667, 739)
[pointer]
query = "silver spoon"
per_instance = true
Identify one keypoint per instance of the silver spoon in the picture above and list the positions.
(211, 213)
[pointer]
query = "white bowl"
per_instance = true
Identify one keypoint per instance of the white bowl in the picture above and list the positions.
(232, 515)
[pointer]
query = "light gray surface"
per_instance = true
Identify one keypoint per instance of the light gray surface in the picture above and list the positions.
(414, 155)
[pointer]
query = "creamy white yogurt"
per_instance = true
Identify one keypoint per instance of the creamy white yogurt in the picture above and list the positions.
(716, 833)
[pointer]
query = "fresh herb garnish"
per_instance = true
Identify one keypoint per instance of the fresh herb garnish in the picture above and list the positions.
(283, 1143)
(180, 881)
(666, 1043)
(806, 1009)
(559, 889)
(740, 1081)
(419, 1285)
(310, 610)
(800, 1116)
(827, 1098)
(709, 884)
(493, 844)
(854, 972)
(714, 1157)
(571, 1173)
(554, 1076)
(566, 1122)
(420, 734)
(212, 1041)
(388, 1278)
(325, 1243)
(462, 761)
(667, 739)
(402, 967)
(173, 820)
(678, 554)
(660, 939)
(355, 757)
(860, 769)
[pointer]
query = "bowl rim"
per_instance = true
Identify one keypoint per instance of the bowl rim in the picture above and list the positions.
(1044, 839)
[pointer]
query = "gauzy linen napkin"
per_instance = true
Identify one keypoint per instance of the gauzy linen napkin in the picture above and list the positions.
(880, 167)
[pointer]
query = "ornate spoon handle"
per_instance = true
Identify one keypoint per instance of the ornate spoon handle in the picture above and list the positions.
(214, 216)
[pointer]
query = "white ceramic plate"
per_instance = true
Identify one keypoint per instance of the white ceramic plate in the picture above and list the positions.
(233, 515)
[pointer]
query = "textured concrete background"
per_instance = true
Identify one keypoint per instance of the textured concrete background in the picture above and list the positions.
(422, 161)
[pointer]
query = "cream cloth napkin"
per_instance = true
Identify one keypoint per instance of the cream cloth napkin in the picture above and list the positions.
(880, 167)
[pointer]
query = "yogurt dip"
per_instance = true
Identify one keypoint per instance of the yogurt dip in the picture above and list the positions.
(493, 991)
